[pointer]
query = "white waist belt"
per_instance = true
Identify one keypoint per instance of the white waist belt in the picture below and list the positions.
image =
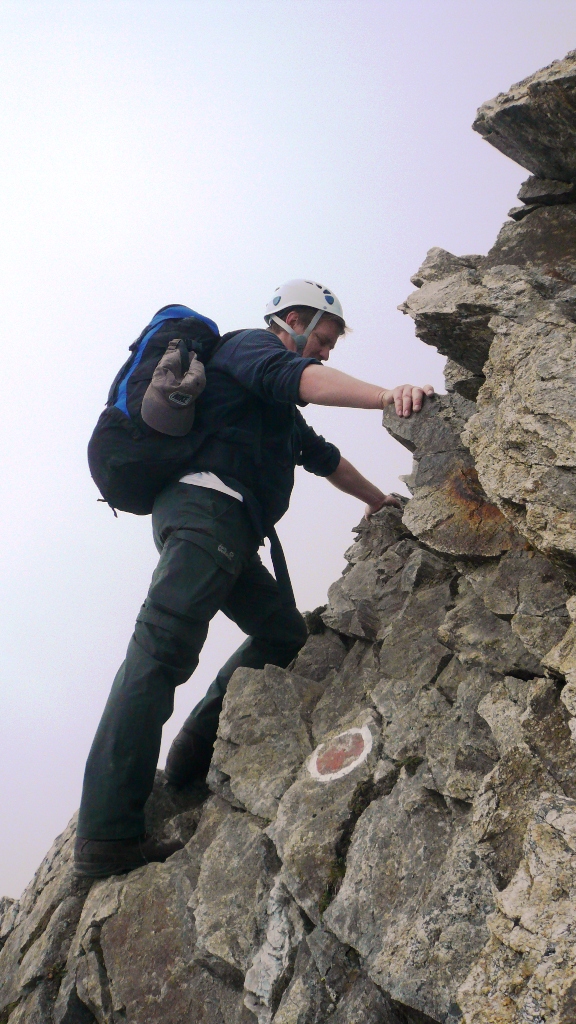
(210, 480)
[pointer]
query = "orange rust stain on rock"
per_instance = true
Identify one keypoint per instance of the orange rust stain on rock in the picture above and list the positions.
(465, 491)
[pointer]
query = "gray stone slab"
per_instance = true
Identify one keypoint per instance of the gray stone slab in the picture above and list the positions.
(534, 123)
(415, 897)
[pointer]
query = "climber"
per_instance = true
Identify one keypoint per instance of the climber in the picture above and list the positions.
(208, 526)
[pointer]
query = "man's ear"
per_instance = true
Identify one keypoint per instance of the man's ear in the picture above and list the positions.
(292, 319)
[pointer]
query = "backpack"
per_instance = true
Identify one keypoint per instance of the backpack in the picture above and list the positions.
(129, 461)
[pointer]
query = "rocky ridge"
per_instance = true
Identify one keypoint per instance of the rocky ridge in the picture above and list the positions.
(388, 832)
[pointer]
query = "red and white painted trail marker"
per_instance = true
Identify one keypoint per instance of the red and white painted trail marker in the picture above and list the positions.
(340, 755)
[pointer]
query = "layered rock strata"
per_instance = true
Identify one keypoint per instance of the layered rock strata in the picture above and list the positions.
(388, 830)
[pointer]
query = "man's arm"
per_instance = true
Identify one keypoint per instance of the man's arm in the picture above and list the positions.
(347, 478)
(322, 385)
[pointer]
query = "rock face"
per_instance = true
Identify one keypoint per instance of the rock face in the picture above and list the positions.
(507, 321)
(388, 830)
(534, 123)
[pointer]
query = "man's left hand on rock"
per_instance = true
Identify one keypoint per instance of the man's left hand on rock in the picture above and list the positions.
(407, 398)
(389, 499)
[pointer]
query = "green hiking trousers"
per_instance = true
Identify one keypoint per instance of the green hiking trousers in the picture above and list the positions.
(208, 562)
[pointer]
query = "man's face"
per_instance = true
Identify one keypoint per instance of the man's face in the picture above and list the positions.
(322, 340)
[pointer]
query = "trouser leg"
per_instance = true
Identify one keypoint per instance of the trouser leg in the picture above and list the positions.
(192, 581)
(122, 761)
(277, 634)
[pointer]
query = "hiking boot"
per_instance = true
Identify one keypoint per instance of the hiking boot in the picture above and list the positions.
(188, 759)
(99, 858)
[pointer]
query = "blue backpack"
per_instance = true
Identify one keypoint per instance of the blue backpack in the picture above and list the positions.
(130, 462)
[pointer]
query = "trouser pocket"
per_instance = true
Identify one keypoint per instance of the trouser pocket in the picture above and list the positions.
(191, 581)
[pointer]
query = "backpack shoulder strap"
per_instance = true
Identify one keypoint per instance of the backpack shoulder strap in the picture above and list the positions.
(222, 341)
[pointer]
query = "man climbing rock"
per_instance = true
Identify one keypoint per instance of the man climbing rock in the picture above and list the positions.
(208, 525)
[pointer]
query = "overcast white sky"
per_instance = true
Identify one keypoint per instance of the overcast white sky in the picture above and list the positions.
(204, 151)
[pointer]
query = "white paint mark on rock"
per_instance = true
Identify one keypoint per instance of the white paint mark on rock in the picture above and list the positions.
(340, 755)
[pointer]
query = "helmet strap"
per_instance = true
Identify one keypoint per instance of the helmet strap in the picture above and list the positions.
(299, 339)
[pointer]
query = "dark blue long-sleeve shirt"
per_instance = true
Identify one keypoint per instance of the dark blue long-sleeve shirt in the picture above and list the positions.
(255, 434)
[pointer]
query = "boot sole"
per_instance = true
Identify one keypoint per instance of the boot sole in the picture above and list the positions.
(87, 871)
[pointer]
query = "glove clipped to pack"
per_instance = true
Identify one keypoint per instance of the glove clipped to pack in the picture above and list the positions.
(169, 401)
(147, 434)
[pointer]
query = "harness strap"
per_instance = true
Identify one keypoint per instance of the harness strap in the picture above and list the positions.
(299, 339)
(281, 570)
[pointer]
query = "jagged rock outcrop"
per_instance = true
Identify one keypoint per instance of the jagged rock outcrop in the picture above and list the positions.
(534, 123)
(388, 830)
(507, 322)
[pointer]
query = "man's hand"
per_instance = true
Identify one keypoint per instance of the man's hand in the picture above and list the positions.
(406, 398)
(389, 499)
(347, 478)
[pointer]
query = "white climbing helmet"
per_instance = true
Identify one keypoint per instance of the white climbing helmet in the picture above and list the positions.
(302, 293)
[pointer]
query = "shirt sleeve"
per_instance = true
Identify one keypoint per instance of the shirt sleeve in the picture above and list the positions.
(260, 363)
(317, 455)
